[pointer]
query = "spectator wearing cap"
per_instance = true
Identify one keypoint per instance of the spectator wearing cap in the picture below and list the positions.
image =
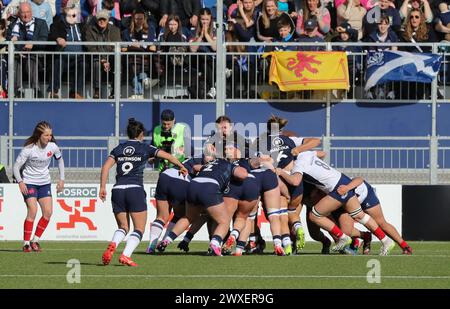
(314, 9)
(310, 35)
(65, 29)
(103, 65)
(352, 12)
(373, 16)
(171, 137)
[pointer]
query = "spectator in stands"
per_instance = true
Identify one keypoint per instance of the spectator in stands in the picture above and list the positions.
(187, 10)
(27, 28)
(203, 66)
(417, 31)
(285, 36)
(422, 5)
(310, 35)
(242, 28)
(266, 26)
(346, 34)
(41, 9)
(172, 66)
(442, 22)
(3, 60)
(288, 7)
(384, 8)
(314, 9)
(150, 7)
(102, 31)
(384, 34)
(111, 8)
(141, 36)
(65, 29)
(442, 26)
(352, 12)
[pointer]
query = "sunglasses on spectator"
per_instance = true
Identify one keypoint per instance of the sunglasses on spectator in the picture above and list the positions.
(414, 17)
(72, 15)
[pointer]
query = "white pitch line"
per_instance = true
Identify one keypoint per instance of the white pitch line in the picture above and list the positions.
(234, 276)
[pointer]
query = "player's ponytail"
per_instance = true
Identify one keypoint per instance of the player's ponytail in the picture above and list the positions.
(37, 132)
(277, 121)
(134, 128)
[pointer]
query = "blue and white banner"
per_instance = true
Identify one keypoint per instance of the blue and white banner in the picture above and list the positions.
(386, 66)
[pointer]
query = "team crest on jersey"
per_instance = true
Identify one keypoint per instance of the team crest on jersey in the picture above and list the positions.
(49, 154)
(277, 142)
(129, 151)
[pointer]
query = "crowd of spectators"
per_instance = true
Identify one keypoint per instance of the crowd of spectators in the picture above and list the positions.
(144, 22)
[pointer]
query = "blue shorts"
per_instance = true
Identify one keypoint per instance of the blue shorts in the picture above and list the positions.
(344, 180)
(246, 190)
(171, 189)
(294, 191)
(266, 181)
(371, 200)
(38, 192)
(204, 194)
(129, 200)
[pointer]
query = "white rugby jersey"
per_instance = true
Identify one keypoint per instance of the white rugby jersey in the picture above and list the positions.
(316, 171)
(362, 192)
(36, 162)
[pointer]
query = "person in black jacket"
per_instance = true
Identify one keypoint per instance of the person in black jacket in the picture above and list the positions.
(65, 29)
(187, 10)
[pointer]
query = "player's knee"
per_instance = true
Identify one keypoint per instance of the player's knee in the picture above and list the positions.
(358, 215)
(315, 215)
(273, 212)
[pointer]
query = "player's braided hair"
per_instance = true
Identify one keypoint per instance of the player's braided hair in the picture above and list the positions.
(37, 132)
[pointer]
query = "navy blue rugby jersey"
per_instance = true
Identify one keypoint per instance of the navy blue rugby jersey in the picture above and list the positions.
(131, 157)
(220, 170)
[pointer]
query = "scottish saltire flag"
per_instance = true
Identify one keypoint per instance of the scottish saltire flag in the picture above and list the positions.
(386, 66)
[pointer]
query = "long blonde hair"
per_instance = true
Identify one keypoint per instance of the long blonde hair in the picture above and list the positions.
(422, 31)
(264, 16)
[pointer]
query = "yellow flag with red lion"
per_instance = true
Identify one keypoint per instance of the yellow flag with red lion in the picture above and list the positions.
(296, 70)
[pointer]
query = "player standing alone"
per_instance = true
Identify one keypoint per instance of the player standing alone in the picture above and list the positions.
(128, 196)
(32, 174)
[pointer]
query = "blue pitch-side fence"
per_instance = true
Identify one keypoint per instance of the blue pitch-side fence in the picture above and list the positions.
(306, 119)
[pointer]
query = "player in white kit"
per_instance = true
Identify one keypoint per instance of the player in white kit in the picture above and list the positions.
(328, 179)
(32, 174)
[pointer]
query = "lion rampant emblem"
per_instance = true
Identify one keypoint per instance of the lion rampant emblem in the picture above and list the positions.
(302, 62)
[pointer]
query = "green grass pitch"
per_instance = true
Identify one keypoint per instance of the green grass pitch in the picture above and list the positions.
(429, 267)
